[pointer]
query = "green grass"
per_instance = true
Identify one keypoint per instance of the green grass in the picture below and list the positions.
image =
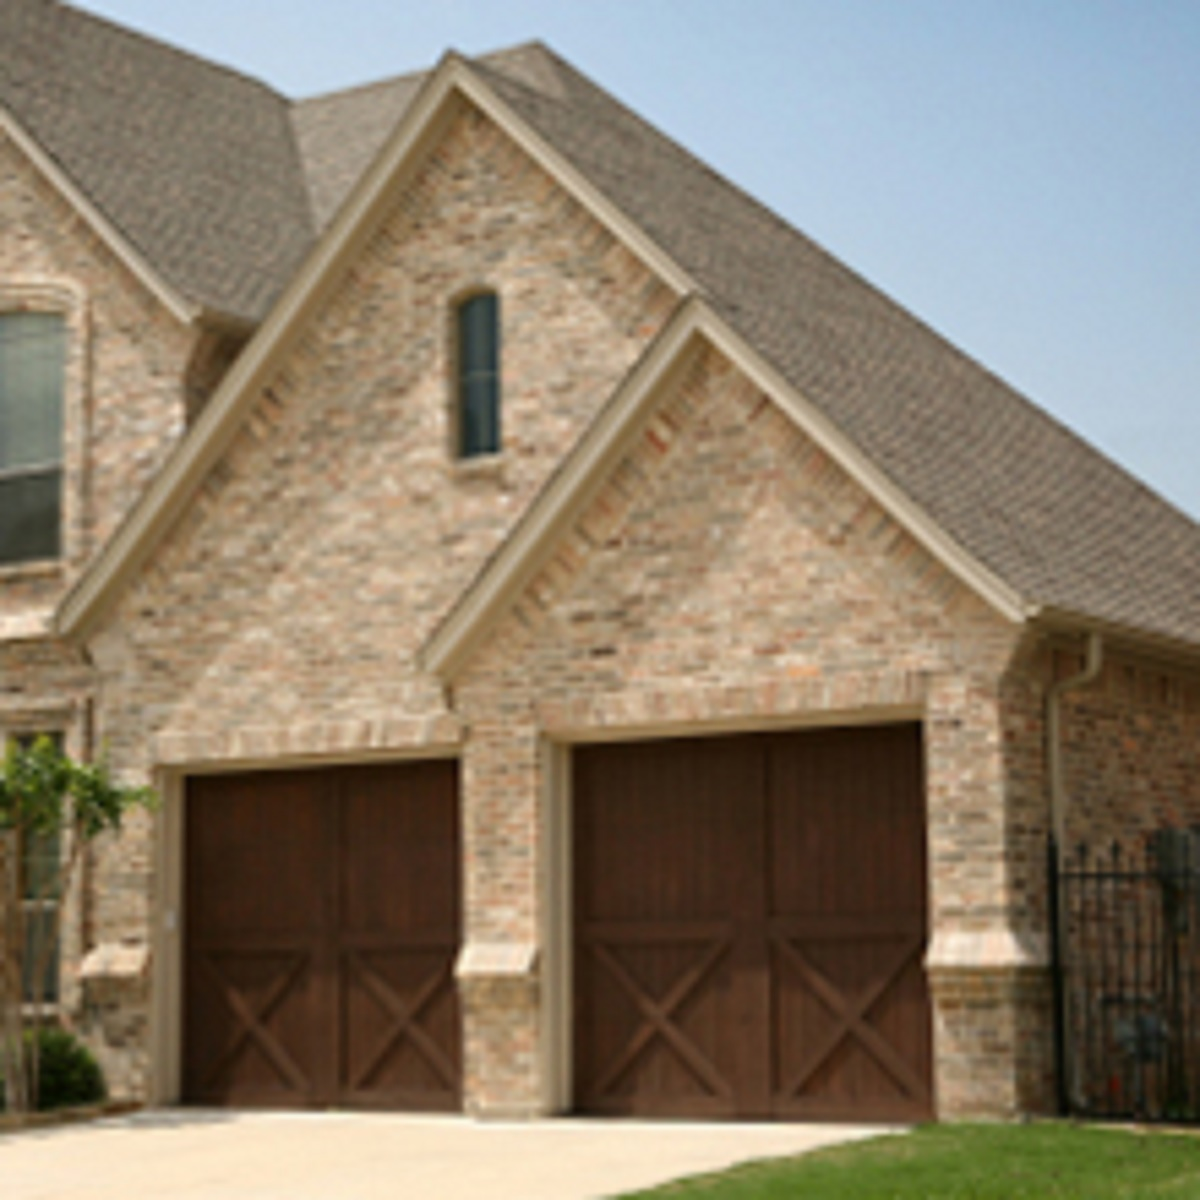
(971, 1162)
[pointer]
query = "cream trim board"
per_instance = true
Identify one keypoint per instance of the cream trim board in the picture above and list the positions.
(108, 233)
(693, 326)
(752, 722)
(558, 166)
(449, 86)
(166, 941)
(556, 897)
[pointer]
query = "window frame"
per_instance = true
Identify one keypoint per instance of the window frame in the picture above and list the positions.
(65, 298)
(466, 373)
(47, 467)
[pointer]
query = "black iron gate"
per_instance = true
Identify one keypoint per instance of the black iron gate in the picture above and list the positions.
(1128, 974)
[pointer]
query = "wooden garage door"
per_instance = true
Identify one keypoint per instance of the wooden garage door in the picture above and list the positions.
(750, 925)
(322, 920)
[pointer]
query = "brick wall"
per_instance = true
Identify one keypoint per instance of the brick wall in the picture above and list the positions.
(1132, 748)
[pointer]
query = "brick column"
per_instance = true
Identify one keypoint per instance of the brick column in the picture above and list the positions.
(988, 975)
(499, 970)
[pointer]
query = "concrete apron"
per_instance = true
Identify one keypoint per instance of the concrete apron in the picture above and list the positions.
(198, 1154)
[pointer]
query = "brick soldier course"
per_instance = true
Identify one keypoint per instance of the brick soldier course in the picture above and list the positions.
(725, 503)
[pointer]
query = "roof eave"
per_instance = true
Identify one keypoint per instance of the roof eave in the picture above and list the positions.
(1166, 648)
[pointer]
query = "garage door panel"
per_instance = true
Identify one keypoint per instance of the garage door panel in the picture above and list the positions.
(401, 1028)
(381, 810)
(655, 1012)
(849, 805)
(622, 873)
(254, 1043)
(852, 1026)
(251, 832)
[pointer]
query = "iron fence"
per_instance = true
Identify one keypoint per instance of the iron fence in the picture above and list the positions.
(1128, 977)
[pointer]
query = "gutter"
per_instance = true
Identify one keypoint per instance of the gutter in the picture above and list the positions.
(1067, 1067)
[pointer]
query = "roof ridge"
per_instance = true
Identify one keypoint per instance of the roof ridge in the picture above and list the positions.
(386, 81)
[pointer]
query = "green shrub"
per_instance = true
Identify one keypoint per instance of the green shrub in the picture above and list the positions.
(69, 1075)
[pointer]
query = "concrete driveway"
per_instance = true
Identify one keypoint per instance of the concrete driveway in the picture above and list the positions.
(197, 1155)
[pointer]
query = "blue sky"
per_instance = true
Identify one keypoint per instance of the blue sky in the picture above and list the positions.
(1022, 174)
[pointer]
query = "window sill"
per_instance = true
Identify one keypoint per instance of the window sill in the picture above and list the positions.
(41, 568)
(479, 466)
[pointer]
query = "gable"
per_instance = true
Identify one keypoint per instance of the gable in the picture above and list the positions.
(125, 357)
(337, 526)
(725, 551)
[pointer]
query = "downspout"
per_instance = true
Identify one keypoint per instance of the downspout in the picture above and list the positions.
(1058, 790)
(1068, 1081)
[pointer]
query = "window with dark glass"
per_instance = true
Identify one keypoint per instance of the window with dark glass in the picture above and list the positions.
(479, 375)
(32, 369)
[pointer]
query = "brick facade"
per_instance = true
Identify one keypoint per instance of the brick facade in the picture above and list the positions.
(728, 575)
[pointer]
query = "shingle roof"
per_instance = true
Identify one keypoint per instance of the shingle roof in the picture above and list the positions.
(339, 135)
(194, 164)
(223, 185)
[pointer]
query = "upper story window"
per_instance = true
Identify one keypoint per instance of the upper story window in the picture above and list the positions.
(479, 375)
(32, 375)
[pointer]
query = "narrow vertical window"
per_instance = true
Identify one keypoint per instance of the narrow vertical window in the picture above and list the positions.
(479, 375)
(32, 368)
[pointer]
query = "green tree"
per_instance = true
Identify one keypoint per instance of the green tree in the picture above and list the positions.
(46, 799)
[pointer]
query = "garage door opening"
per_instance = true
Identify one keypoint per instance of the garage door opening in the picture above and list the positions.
(750, 924)
(322, 923)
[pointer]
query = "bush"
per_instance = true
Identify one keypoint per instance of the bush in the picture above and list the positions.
(69, 1075)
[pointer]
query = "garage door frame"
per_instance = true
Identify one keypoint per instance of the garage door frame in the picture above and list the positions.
(558, 900)
(167, 910)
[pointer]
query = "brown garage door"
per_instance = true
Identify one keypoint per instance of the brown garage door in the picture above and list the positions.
(322, 920)
(750, 923)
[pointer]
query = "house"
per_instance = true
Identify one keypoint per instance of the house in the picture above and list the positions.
(596, 652)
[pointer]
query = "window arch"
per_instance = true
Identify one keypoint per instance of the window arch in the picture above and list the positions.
(478, 374)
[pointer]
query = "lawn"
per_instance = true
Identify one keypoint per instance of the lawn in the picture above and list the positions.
(971, 1162)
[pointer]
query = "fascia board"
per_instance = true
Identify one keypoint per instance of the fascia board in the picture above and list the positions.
(104, 229)
(575, 182)
(568, 492)
(585, 472)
